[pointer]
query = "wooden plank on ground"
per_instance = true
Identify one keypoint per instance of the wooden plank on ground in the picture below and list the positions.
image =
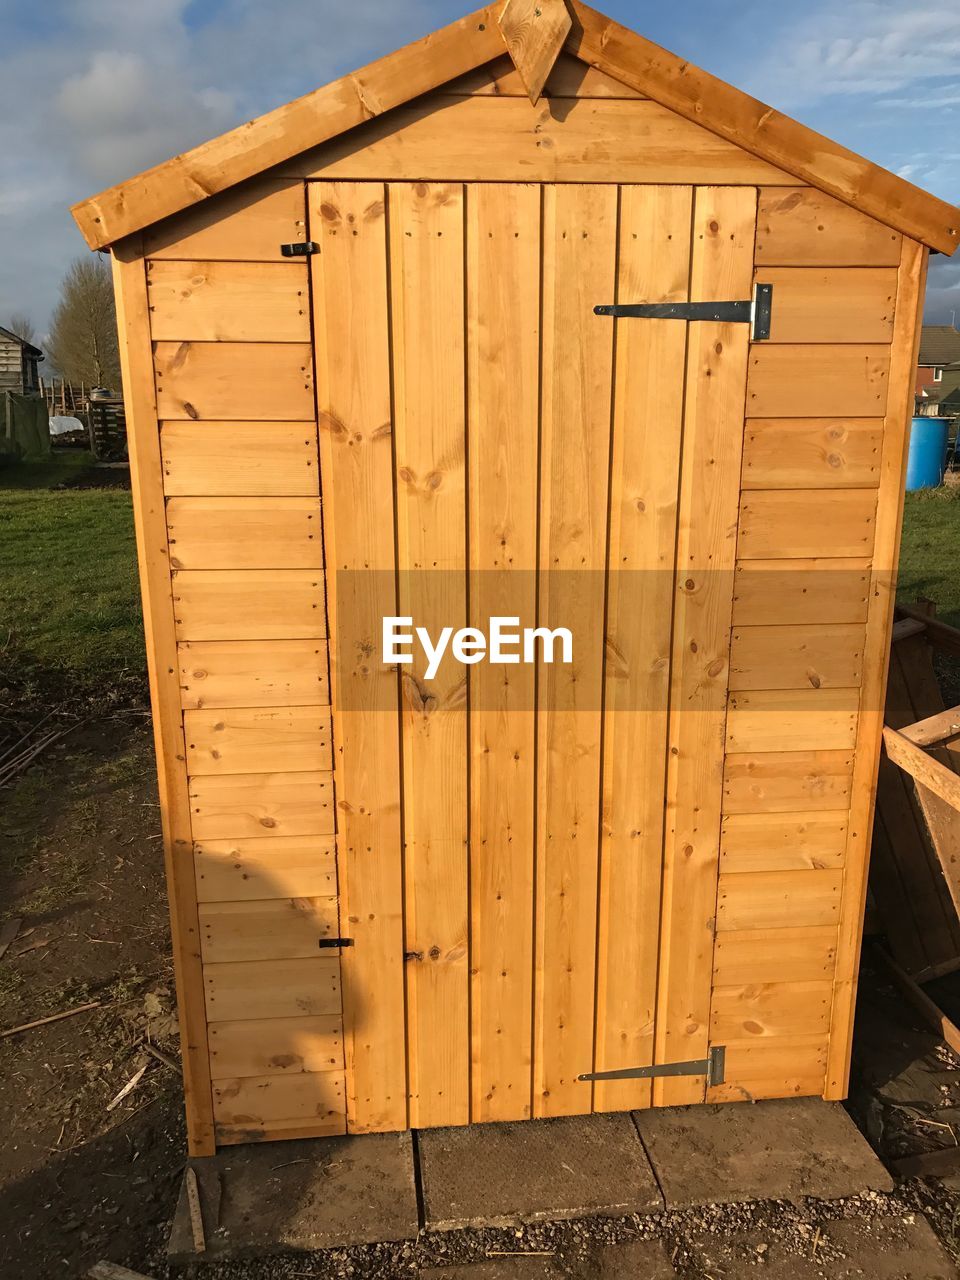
(229, 301)
(787, 781)
(812, 453)
(257, 739)
(503, 379)
(722, 266)
(272, 989)
(246, 381)
(804, 227)
(254, 604)
(782, 592)
(276, 867)
(782, 841)
(274, 929)
(351, 322)
(245, 224)
(780, 954)
(473, 139)
(831, 304)
(922, 767)
(245, 533)
(778, 899)
(253, 673)
(936, 729)
(276, 1046)
(793, 524)
(579, 267)
(262, 804)
(161, 652)
(230, 458)
(310, 1099)
(802, 656)
(427, 306)
(654, 263)
(792, 719)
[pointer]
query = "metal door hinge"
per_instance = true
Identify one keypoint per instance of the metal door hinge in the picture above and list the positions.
(711, 1067)
(301, 249)
(755, 312)
(324, 943)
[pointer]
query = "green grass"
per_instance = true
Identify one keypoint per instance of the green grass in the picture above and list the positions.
(930, 554)
(69, 603)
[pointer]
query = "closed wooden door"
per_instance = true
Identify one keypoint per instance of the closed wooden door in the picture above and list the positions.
(527, 852)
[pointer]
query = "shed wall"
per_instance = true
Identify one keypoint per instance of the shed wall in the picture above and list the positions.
(757, 760)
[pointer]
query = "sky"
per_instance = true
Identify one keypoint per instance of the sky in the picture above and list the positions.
(92, 91)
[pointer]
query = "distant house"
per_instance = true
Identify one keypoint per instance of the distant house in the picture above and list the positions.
(18, 364)
(938, 370)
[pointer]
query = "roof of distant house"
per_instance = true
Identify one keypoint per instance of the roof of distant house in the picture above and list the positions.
(8, 333)
(939, 344)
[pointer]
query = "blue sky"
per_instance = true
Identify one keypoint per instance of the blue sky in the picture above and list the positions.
(91, 91)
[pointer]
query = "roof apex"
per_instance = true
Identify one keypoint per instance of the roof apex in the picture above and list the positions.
(471, 41)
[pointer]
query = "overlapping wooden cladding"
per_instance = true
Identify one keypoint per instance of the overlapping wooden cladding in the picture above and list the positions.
(244, 531)
(250, 591)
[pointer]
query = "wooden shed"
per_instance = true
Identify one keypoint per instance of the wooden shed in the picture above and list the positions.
(530, 318)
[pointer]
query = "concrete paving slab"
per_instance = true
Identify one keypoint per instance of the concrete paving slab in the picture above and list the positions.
(534, 1170)
(637, 1260)
(315, 1193)
(878, 1248)
(779, 1150)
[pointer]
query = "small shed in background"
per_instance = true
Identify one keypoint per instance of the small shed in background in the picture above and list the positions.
(19, 364)
(529, 318)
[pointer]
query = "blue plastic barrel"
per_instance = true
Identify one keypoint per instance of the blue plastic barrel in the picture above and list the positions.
(928, 453)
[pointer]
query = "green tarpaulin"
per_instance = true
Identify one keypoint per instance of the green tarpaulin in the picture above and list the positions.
(24, 426)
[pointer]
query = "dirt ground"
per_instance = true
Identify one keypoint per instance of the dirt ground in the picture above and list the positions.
(83, 1177)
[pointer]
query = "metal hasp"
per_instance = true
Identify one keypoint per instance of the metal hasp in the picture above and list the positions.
(301, 249)
(757, 312)
(712, 1068)
(324, 943)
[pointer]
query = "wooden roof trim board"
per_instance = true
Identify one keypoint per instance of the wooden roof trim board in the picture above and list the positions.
(535, 32)
(469, 43)
(279, 135)
(753, 125)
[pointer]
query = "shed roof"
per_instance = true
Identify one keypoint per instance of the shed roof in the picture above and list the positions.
(470, 42)
(939, 345)
(15, 337)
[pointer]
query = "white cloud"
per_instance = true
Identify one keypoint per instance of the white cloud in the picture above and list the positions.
(867, 46)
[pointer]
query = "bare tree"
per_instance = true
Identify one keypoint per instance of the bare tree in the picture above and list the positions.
(83, 332)
(22, 326)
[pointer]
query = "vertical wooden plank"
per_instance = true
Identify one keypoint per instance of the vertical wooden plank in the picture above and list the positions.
(579, 271)
(427, 301)
(503, 328)
(911, 283)
(654, 265)
(146, 478)
(724, 224)
(356, 456)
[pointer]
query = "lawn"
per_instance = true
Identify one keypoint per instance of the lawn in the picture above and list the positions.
(69, 605)
(930, 554)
